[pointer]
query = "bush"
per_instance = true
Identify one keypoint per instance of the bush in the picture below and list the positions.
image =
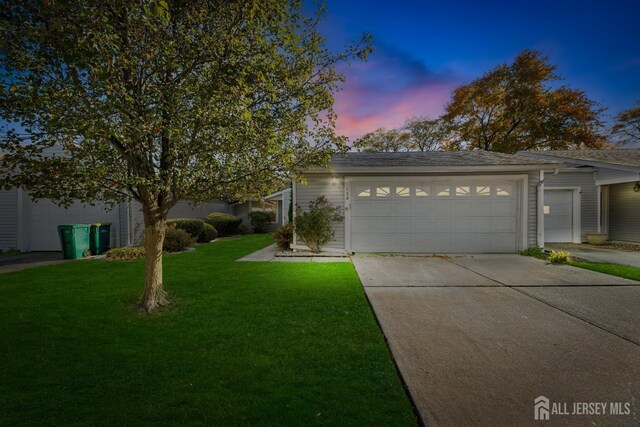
(191, 225)
(284, 236)
(559, 257)
(176, 240)
(125, 254)
(208, 234)
(260, 221)
(314, 225)
(535, 251)
(224, 223)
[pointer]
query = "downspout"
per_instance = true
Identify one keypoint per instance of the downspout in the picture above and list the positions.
(540, 191)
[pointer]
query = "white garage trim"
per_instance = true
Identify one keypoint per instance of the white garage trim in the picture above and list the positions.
(521, 213)
(576, 232)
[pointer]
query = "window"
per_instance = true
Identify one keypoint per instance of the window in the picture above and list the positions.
(383, 191)
(363, 191)
(272, 209)
(442, 191)
(422, 190)
(403, 191)
(503, 190)
(483, 191)
(463, 191)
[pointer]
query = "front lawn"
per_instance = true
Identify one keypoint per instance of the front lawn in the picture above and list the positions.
(626, 271)
(242, 344)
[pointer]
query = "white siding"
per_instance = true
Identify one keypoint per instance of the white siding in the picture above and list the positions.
(624, 206)
(333, 189)
(588, 196)
(9, 219)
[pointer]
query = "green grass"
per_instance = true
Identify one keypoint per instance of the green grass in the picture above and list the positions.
(626, 271)
(241, 344)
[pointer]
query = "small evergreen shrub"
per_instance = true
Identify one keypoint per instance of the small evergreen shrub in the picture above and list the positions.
(535, 251)
(125, 254)
(260, 221)
(224, 223)
(176, 240)
(208, 234)
(284, 236)
(192, 226)
(559, 257)
(313, 226)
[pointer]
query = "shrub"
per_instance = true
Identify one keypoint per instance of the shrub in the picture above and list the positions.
(208, 234)
(125, 254)
(176, 240)
(559, 257)
(224, 223)
(535, 251)
(284, 236)
(260, 221)
(313, 226)
(191, 225)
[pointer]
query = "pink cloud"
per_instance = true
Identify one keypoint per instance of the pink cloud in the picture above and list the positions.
(387, 90)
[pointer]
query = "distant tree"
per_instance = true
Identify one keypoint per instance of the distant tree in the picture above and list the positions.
(514, 107)
(383, 140)
(627, 126)
(426, 134)
(162, 101)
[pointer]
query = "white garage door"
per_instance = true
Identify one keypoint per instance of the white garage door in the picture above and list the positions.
(46, 216)
(452, 216)
(558, 216)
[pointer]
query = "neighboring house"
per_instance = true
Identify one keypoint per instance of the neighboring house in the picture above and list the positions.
(597, 192)
(431, 202)
(32, 225)
(275, 204)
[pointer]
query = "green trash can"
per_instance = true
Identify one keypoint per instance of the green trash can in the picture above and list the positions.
(100, 237)
(74, 239)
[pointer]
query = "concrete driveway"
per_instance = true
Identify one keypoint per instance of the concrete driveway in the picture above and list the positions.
(478, 338)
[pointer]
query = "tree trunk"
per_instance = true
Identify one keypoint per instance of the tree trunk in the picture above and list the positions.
(154, 295)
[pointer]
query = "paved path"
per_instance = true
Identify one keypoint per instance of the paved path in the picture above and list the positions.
(29, 260)
(478, 338)
(268, 254)
(592, 254)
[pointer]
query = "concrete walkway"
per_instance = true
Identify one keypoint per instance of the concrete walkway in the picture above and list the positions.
(477, 338)
(592, 254)
(29, 260)
(269, 254)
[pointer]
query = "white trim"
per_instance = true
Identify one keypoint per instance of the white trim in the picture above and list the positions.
(599, 204)
(540, 219)
(347, 213)
(294, 195)
(432, 170)
(576, 232)
(604, 200)
(524, 241)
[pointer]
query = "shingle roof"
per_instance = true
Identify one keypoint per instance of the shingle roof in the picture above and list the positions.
(619, 157)
(433, 159)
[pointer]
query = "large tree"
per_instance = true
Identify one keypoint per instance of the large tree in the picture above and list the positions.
(426, 134)
(383, 140)
(627, 126)
(162, 101)
(517, 107)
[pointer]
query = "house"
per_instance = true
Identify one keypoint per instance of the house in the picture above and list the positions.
(275, 204)
(434, 202)
(598, 191)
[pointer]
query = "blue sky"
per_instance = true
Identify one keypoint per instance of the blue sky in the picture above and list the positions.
(424, 49)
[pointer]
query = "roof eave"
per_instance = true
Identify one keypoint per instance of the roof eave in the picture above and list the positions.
(579, 161)
(437, 169)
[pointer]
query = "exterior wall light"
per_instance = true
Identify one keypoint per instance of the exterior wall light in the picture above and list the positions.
(636, 187)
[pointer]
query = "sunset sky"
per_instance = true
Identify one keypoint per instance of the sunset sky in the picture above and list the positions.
(425, 49)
